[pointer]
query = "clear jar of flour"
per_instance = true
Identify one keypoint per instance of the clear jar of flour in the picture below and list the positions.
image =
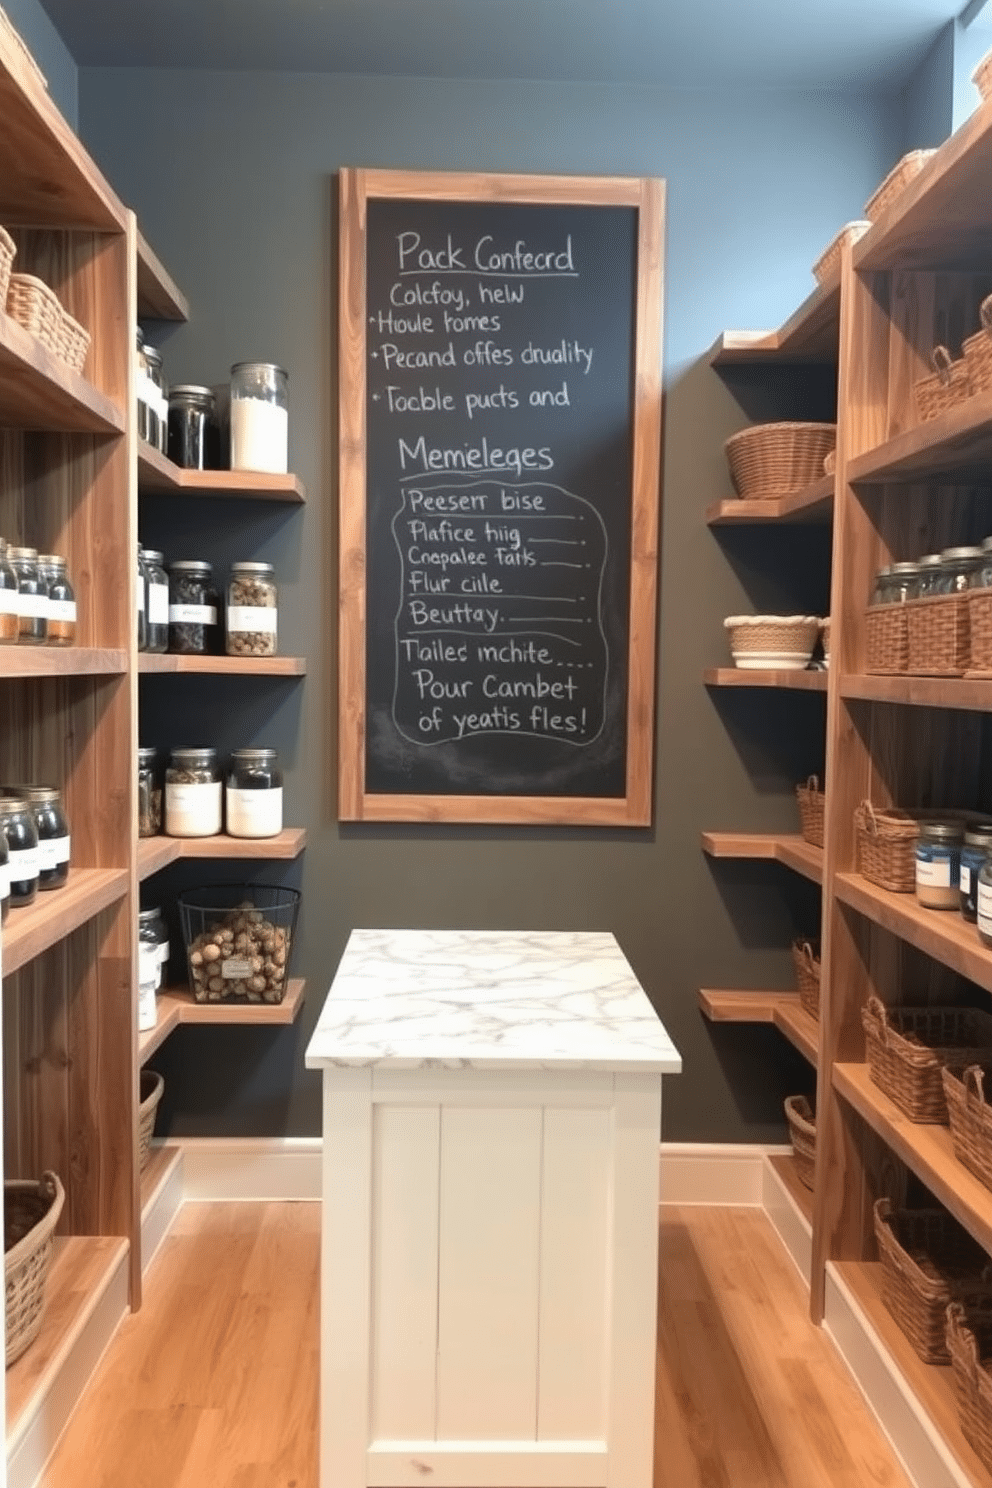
(259, 417)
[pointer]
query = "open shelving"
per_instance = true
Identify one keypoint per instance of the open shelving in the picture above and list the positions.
(159, 476)
(177, 1006)
(156, 853)
(787, 848)
(813, 504)
(789, 678)
(782, 1009)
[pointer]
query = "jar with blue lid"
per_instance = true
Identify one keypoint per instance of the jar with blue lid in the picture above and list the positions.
(976, 849)
(938, 864)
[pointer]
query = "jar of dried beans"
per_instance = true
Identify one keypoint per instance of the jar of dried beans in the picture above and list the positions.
(252, 610)
(193, 794)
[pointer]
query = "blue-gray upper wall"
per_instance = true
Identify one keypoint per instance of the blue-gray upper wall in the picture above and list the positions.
(50, 53)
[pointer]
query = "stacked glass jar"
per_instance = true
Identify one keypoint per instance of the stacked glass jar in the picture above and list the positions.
(35, 840)
(37, 601)
(199, 798)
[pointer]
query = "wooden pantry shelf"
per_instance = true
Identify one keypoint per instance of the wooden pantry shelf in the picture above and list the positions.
(956, 444)
(787, 848)
(973, 694)
(230, 666)
(932, 1384)
(784, 1165)
(814, 503)
(941, 934)
(37, 391)
(176, 1006)
(157, 475)
(156, 853)
(61, 661)
(926, 1150)
(58, 912)
(782, 1009)
(793, 678)
(159, 296)
(162, 1161)
(811, 334)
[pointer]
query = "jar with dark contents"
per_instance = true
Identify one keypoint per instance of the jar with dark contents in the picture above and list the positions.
(254, 794)
(977, 847)
(52, 826)
(192, 426)
(61, 599)
(9, 607)
(149, 795)
(157, 607)
(4, 878)
(193, 794)
(252, 615)
(193, 625)
(17, 825)
(32, 598)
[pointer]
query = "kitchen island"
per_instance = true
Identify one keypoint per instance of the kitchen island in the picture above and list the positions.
(491, 1124)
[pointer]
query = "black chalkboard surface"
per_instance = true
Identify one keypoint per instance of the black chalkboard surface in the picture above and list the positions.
(500, 405)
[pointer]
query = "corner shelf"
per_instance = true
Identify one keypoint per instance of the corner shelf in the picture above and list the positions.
(971, 694)
(218, 666)
(781, 677)
(814, 503)
(811, 335)
(176, 1007)
(62, 661)
(37, 391)
(58, 912)
(156, 853)
(159, 296)
(941, 934)
(158, 476)
(785, 847)
(781, 1009)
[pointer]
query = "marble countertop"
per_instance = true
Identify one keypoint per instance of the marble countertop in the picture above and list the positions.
(486, 999)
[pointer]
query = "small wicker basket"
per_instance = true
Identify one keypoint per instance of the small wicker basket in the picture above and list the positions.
(150, 1090)
(37, 308)
(8, 251)
(886, 638)
(896, 182)
(938, 636)
(907, 1049)
(947, 386)
(811, 810)
(802, 1131)
(31, 1212)
(982, 77)
(980, 631)
(886, 847)
(977, 351)
(806, 962)
(969, 1343)
(928, 1260)
(829, 261)
(755, 637)
(970, 1117)
(769, 460)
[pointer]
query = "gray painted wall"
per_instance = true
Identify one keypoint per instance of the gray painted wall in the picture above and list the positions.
(928, 97)
(232, 177)
(50, 53)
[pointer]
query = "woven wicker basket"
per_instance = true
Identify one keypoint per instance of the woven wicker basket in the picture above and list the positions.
(977, 351)
(886, 638)
(928, 1260)
(30, 1213)
(982, 76)
(970, 1117)
(773, 635)
(802, 1131)
(150, 1093)
(886, 847)
(829, 261)
(811, 802)
(770, 460)
(806, 962)
(37, 308)
(948, 385)
(969, 1343)
(896, 182)
(8, 251)
(938, 635)
(907, 1049)
(825, 640)
(980, 631)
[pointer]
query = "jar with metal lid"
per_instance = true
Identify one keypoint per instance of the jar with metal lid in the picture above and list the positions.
(192, 426)
(149, 795)
(904, 580)
(929, 567)
(882, 589)
(252, 610)
(52, 826)
(254, 794)
(259, 417)
(32, 597)
(61, 599)
(157, 594)
(193, 794)
(982, 576)
(957, 565)
(17, 825)
(158, 402)
(938, 864)
(977, 847)
(9, 608)
(193, 626)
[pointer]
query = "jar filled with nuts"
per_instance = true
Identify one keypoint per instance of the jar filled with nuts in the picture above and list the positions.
(149, 795)
(192, 608)
(193, 805)
(252, 610)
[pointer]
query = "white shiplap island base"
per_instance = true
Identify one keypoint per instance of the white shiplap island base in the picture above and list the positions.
(492, 1113)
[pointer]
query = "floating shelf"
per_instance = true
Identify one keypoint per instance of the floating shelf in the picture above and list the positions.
(58, 912)
(176, 1006)
(156, 853)
(813, 504)
(61, 661)
(941, 934)
(159, 296)
(797, 681)
(787, 848)
(973, 694)
(811, 334)
(956, 443)
(230, 666)
(157, 475)
(37, 391)
(782, 1009)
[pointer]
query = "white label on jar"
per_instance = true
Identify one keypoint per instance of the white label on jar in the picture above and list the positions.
(251, 617)
(23, 863)
(160, 404)
(141, 598)
(47, 860)
(193, 810)
(190, 614)
(236, 969)
(10, 602)
(62, 846)
(158, 604)
(985, 908)
(144, 388)
(254, 813)
(147, 963)
(935, 874)
(259, 436)
(4, 880)
(147, 1007)
(965, 879)
(62, 609)
(163, 952)
(34, 605)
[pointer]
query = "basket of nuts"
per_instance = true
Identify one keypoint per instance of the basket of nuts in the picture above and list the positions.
(239, 938)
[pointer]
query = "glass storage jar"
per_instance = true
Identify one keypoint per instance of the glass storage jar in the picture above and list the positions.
(929, 575)
(159, 426)
(149, 970)
(149, 795)
(155, 920)
(52, 826)
(977, 847)
(984, 896)
(141, 601)
(882, 589)
(252, 616)
(938, 864)
(982, 576)
(145, 394)
(157, 608)
(54, 575)
(9, 607)
(17, 824)
(259, 417)
(192, 425)
(904, 580)
(193, 794)
(4, 878)
(192, 608)
(957, 565)
(254, 794)
(32, 597)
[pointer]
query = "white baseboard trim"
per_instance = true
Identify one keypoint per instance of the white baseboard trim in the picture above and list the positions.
(158, 1213)
(713, 1173)
(789, 1222)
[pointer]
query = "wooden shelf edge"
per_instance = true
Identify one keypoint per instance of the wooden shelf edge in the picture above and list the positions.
(159, 296)
(813, 504)
(811, 334)
(955, 439)
(787, 848)
(49, 394)
(803, 1031)
(722, 1005)
(153, 663)
(57, 913)
(970, 694)
(176, 1006)
(780, 677)
(156, 853)
(159, 475)
(943, 935)
(62, 661)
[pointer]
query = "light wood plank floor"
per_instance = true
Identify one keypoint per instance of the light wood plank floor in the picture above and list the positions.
(214, 1382)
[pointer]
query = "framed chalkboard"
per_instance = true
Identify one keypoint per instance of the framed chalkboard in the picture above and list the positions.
(500, 420)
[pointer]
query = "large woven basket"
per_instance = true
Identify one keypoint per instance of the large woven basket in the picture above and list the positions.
(977, 351)
(829, 261)
(886, 847)
(982, 76)
(30, 1213)
(938, 635)
(948, 385)
(150, 1091)
(969, 1343)
(806, 963)
(38, 309)
(980, 631)
(896, 182)
(8, 251)
(802, 1132)
(970, 1117)
(769, 460)
(928, 1260)
(811, 801)
(907, 1049)
(887, 638)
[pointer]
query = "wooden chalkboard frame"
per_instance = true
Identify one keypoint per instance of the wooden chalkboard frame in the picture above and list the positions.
(647, 197)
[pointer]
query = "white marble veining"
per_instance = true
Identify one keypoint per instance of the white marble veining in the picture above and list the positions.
(485, 999)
